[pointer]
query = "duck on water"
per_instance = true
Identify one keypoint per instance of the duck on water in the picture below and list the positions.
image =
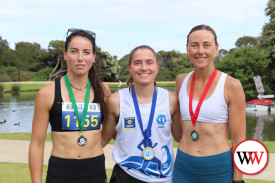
(2, 122)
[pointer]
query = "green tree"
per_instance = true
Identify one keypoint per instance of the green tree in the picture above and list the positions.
(4, 45)
(9, 58)
(221, 56)
(267, 42)
(247, 41)
(245, 63)
(123, 71)
(28, 54)
(172, 63)
(108, 67)
(168, 56)
(14, 68)
(55, 58)
(11, 70)
(267, 39)
(8, 73)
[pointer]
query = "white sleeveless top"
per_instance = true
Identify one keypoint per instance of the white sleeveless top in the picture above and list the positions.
(213, 110)
(129, 140)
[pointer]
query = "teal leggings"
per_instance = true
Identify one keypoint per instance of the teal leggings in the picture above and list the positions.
(208, 169)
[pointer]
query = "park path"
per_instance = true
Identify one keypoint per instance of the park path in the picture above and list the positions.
(17, 151)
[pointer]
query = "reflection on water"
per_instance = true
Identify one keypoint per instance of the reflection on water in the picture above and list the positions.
(15, 109)
(262, 122)
(260, 125)
(20, 108)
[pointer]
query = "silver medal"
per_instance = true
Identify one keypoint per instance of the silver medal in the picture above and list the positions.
(194, 135)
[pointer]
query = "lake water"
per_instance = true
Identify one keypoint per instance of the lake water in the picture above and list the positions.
(20, 108)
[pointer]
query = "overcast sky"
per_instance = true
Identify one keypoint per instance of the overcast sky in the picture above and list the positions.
(121, 25)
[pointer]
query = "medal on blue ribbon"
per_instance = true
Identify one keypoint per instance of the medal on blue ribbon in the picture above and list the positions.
(148, 153)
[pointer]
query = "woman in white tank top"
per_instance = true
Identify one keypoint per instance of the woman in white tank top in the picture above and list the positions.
(204, 153)
(143, 149)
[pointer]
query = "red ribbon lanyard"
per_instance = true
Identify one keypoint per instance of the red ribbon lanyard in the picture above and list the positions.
(194, 117)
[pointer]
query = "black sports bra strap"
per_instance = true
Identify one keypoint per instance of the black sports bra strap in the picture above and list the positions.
(57, 92)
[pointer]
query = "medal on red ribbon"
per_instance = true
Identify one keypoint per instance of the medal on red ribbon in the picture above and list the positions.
(194, 134)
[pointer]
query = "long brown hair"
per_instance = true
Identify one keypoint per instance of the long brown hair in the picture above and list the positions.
(96, 83)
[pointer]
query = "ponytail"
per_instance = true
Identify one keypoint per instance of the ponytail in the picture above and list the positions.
(98, 88)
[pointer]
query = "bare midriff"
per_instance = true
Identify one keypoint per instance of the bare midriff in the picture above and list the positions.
(213, 139)
(65, 144)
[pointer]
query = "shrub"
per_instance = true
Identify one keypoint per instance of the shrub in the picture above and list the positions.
(43, 74)
(1, 88)
(15, 89)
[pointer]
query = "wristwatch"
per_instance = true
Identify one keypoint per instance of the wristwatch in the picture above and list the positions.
(238, 181)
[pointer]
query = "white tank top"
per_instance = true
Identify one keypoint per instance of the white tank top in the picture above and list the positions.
(129, 140)
(213, 110)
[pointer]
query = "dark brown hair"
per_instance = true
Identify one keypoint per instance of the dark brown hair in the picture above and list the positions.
(96, 83)
(130, 80)
(203, 27)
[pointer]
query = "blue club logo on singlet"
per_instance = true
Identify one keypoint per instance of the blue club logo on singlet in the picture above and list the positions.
(161, 120)
(129, 123)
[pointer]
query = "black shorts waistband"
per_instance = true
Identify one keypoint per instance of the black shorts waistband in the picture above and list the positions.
(76, 167)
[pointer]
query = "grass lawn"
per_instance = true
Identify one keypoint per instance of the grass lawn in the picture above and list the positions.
(23, 86)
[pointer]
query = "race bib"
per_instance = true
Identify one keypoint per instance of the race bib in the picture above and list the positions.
(69, 119)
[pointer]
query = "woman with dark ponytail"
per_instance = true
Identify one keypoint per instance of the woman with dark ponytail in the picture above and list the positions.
(74, 105)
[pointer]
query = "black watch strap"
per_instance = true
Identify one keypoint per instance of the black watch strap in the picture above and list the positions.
(238, 181)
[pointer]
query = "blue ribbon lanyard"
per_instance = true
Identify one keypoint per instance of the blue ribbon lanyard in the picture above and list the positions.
(146, 133)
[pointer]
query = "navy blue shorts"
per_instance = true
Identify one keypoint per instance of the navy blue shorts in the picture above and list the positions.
(90, 170)
(194, 169)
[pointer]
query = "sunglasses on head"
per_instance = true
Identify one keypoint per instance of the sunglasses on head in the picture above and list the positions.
(81, 30)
